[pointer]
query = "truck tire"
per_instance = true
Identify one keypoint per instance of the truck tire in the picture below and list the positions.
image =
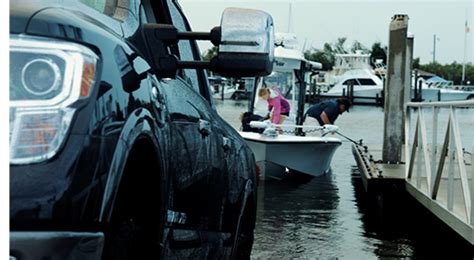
(136, 226)
(245, 234)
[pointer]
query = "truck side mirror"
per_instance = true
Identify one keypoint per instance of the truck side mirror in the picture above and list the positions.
(245, 40)
(247, 44)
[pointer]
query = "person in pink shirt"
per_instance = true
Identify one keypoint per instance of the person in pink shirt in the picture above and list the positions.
(277, 103)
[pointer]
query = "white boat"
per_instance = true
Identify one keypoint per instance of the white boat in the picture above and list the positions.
(290, 152)
(435, 88)
(354, 69)
(303, 154)
(367, 88)
(222, 88)
(229, 92)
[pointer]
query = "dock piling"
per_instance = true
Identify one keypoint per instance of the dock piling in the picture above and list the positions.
(395, 89)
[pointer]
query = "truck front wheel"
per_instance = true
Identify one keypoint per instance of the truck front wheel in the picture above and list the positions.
(136, 227)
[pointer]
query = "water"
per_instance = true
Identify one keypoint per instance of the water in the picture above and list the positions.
(332, 217)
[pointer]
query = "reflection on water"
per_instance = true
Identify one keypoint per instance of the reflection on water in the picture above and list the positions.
(332, 217)
(297, 219)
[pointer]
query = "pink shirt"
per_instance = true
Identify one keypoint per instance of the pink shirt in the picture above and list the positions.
(279, 105)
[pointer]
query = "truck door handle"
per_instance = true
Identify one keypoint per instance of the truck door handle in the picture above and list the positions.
(155, 94)
(226, 143)
(204, 127)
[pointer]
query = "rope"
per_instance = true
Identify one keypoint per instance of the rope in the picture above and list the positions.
(316, 130)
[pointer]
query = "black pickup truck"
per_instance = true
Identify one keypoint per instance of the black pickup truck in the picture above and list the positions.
(116, 149)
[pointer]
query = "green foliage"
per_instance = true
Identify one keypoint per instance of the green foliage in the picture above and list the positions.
(357, 46)
(378, 52)
(339, 45)
(326, 55)
(210, 53)
(326, 58)
(451, 71)
(416, 63)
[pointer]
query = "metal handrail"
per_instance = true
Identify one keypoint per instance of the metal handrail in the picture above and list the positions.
(452, 147)
(462, 103)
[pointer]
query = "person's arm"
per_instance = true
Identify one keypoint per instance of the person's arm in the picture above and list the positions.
(324, 118)
(270, 106)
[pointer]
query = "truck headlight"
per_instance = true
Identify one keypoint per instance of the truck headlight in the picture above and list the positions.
(41, 77)
(46, 78)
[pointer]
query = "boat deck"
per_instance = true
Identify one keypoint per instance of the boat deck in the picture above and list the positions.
(288, 138)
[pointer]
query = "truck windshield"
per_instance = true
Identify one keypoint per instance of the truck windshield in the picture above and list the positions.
(99, 5)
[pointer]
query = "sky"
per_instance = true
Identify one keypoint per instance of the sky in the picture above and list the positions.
(318, 21)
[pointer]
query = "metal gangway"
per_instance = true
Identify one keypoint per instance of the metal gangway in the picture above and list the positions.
(439, 169)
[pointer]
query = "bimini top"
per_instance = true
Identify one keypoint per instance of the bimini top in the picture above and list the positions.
(438, 82)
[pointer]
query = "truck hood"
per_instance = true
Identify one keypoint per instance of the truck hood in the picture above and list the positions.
(60, 19)
(22, 11)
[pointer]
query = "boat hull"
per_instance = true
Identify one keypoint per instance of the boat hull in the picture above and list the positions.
(362, 94)
(370, 95)
(227, 95)
(434, 94)
(282, 155)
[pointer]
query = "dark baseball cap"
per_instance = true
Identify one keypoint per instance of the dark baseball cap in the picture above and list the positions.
(346, 102)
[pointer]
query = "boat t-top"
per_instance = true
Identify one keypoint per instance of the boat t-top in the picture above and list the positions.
(354, 69)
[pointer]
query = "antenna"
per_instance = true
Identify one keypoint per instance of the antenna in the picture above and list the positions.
(304, 44)
(289, 19)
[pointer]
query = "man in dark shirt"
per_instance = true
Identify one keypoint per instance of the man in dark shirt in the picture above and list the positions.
(326, 112)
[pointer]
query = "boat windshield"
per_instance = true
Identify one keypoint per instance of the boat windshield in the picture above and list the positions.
(285, 82)
(280, 80)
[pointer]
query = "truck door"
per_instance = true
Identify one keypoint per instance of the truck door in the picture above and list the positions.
(191, 144)
(196, 140)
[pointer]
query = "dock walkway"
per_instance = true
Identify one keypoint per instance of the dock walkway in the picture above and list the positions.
(440, 177)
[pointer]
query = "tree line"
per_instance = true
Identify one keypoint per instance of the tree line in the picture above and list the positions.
(452, 72)
(327, 57)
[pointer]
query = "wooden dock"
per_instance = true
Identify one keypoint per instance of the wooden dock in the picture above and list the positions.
(375, 174)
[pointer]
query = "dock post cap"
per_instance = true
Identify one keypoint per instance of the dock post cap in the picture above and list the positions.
(400, 17)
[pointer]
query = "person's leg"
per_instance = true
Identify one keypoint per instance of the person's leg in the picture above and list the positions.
(241, 117)
(282, 118)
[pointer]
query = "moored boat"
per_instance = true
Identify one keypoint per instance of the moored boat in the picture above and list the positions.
(293, 151)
